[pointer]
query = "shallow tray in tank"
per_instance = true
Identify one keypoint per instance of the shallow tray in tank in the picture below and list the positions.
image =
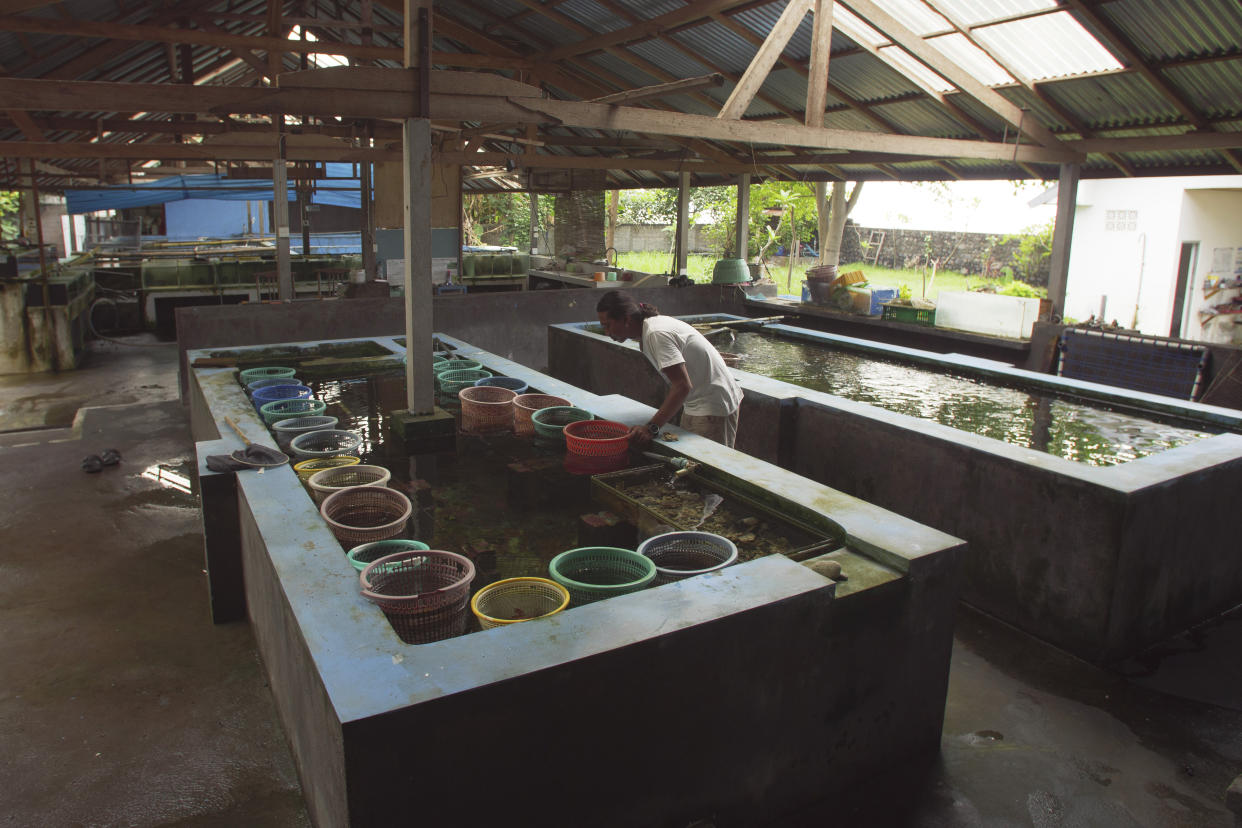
(642, 496)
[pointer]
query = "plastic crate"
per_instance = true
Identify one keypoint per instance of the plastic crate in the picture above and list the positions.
(909, 315)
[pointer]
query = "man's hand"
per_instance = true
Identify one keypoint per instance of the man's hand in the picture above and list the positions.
(639, 436)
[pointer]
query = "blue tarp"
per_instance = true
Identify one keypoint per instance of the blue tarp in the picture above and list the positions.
(340, 191)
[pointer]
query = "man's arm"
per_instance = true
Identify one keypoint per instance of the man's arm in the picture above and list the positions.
(679, 388)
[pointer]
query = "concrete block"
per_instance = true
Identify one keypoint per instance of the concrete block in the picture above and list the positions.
(425, 433)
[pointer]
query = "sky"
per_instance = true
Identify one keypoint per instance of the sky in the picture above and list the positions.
(974, 206)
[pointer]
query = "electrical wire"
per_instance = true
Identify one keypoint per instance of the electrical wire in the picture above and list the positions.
(90, 323)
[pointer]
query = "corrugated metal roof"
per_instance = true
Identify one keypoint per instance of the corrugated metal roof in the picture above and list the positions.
(915, 16)
(974, 12)
(727, 50)
(922, 117)
(866, 79)
(591, 14)
(1161, 30)
(1209, 87)
(971, 58)
(1113, 100)
(1049, 46)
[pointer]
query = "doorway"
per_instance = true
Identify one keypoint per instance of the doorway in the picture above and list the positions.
(1181, 297)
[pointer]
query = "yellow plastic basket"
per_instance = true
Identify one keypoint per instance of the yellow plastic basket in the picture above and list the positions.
(308, 468)
(515, 600)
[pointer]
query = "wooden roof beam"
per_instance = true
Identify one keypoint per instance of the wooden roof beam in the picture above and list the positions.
(757, 72)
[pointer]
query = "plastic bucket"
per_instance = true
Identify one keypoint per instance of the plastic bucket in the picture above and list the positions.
(515, 600)
(591, 573)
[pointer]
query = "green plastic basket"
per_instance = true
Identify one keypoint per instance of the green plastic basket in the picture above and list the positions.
(455, 365)
(592, 573)
(550, 422)
(912, 316)
(367, 553)
(251, 374)
(278, 410)
(453, 381)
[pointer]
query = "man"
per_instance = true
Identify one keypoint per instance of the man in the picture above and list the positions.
(697, 376)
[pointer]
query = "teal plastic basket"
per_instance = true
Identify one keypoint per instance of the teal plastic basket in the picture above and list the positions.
(592, 573)
(550, 422)
(456, 365)
(251, 374)
(278, 410)
(453, 381)
(367, 553)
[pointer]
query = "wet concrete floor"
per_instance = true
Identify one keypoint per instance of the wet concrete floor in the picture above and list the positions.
(122, 704)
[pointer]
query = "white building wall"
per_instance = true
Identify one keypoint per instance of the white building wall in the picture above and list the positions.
(1213, 218)
(1127, 243)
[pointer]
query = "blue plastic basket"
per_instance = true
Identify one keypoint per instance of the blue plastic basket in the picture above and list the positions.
(251, 387)
(272, 393)
(514, 384)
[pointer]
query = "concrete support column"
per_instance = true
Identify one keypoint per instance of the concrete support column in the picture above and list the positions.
(1062, 235)
(416, 152)
(743, 215)
(368, 216)
(280, 218)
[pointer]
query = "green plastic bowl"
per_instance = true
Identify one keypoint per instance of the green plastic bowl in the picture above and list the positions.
(367, 553)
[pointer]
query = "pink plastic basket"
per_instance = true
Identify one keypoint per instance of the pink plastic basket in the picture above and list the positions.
(361, 514)
(525, 405)
(424, 594)
(486, 409)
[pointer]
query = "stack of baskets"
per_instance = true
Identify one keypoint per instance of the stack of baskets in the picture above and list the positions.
(423, 593)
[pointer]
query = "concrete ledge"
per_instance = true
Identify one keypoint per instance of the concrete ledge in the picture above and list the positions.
(773, 692)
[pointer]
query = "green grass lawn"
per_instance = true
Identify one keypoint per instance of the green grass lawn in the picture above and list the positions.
(700, 270)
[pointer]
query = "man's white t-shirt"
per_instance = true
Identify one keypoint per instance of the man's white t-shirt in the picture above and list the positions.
(667, 341)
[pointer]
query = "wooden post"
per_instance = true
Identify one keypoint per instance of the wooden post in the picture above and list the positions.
(742, 231)
(610, 233)
(416, 169)
(1062, 235)
(683, 222)
(280, 175)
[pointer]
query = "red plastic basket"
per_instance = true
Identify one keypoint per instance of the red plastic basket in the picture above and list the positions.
(486, 409)
(525, 405)
(597, 438)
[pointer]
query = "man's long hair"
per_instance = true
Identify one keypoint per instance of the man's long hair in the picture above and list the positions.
(617, 304)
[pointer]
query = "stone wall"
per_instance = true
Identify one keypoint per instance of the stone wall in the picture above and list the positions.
(636, 237)
(969, 253)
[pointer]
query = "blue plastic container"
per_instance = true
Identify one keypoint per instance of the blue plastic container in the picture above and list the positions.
(878, 297)
(514, 384)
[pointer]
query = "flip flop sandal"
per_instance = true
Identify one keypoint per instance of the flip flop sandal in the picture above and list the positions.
(110, 457)
(92, 464)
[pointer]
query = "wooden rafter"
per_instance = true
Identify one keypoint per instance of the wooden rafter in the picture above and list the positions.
(757, 72)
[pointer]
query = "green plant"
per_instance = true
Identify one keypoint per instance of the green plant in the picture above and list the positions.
(1016, 288)
(903, 292)
(1034, 249)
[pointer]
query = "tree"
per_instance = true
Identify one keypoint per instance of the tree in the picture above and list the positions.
(832, 210)
(10, 204)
